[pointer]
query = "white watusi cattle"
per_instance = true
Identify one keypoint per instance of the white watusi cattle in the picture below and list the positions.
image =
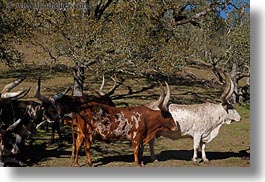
(200, 121)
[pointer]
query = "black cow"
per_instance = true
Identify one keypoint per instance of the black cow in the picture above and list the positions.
(15, 122)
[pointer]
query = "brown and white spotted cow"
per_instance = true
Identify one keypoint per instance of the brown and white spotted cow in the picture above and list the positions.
(138, 124)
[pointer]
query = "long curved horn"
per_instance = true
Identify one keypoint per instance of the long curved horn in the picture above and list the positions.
(167, 97)
(7, 95)
(100, 92)
(14, 125)
(232, 87)
(38, 95)
(164, 107)
(60, 95)
(15, 95)
(12, 85)
(162, 94)
(111, 91)
(229, 89)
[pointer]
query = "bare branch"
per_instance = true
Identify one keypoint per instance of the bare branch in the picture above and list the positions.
(99, 10)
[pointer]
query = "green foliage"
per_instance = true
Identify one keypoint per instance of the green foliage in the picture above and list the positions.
(132, 37)
(240, 47)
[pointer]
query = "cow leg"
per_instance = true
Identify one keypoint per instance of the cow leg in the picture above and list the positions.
(152, 151)
(141, 152)
(87, 149)
(73, 151)
(53, 133)
(203, 146)
(79, 141)
(73, 137)
(136, 155)
(1, 155)
(196, 145)
(73, 146)
(58, 130)
(47, 127)
(136, 150)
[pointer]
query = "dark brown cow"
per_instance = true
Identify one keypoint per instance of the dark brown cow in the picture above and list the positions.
(64, 104)
(58, 106)
(138, 124)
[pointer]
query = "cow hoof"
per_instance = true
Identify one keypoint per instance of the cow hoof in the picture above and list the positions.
(206, 161)
(22, 164)
(195, 162)
(139, 164)
(76, 165)
(154, 159)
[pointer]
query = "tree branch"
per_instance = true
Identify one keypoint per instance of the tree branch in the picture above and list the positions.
(99, 10)
(183, 19)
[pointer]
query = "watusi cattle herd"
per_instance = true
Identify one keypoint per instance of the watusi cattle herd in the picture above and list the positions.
(95, 117)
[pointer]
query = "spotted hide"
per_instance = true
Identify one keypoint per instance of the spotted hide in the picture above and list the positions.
(105, 123)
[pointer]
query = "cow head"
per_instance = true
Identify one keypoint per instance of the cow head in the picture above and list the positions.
(162, 105)
(232, 114)
(50, 111)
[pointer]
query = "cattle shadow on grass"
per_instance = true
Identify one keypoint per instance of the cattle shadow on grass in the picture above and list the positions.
(185, 155)
(120, 151)
(32, 154)
(188, 154)
(119, 158)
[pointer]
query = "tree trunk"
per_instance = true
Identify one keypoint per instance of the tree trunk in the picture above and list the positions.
(234, 98)
(79, 78)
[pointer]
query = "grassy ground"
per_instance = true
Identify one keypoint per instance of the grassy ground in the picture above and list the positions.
(231, 148)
